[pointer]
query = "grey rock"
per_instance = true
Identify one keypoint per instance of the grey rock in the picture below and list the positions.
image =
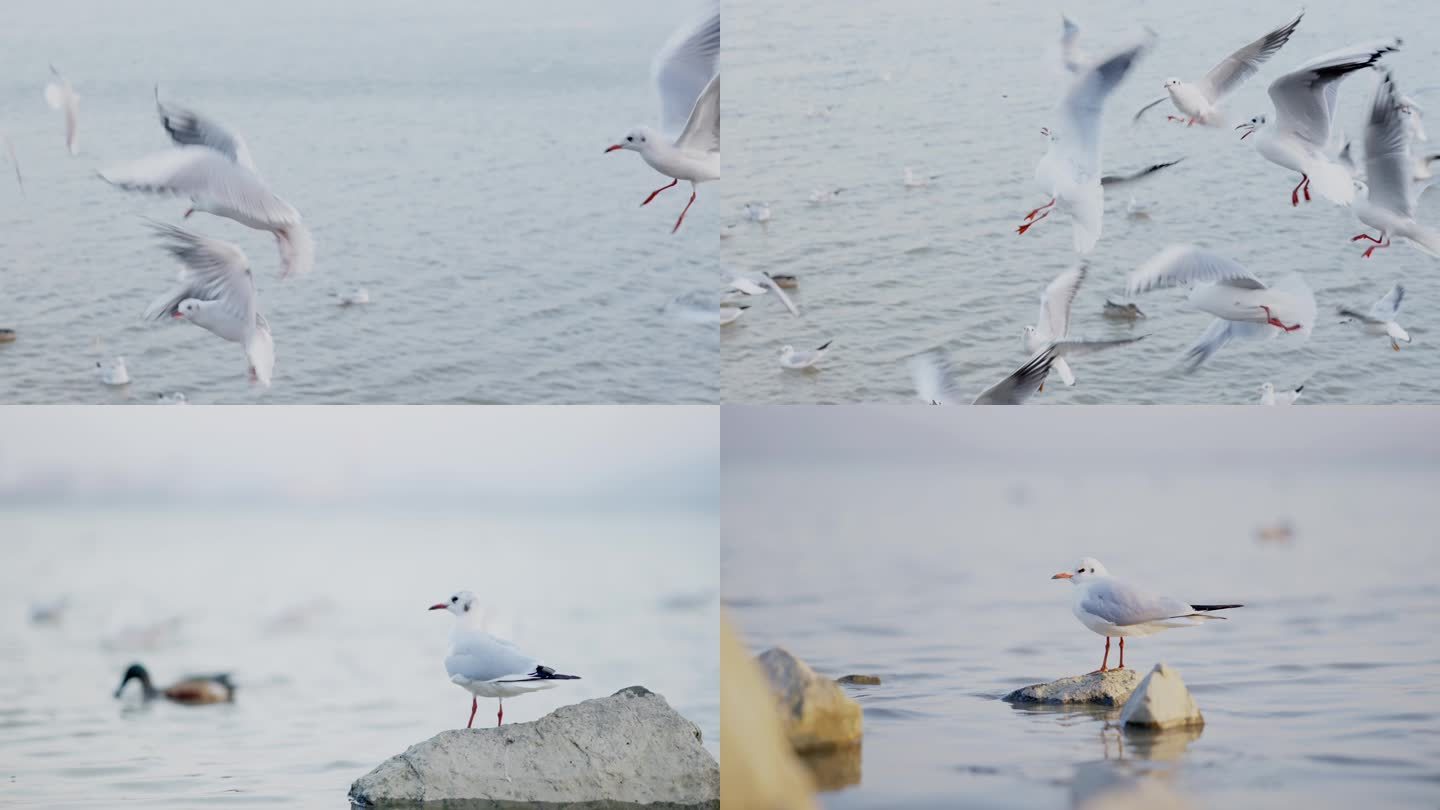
(815, 711)
(1110, 688)
(628, 750)
(859, 680)
(1161, 702)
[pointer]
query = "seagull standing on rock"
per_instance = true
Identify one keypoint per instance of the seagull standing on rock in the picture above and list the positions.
(486, 666)
(1112, 607)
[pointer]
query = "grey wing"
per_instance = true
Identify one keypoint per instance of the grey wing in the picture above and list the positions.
(780, 293)
(685, 65)
(1022, 383)
(1079, 348)
(214, 271)
(702, 129)
(189, 128)
(1363, 317)
(1113, 180)
(202, 172)
(1121, 603)
(1056, 301)
(1389, 171)
(488, 659)
(1147, 108)
(933, 377)
(1305, 97)
(1239, 66)
(1388, 307)
(1187, 264)
(1215, 337)
(1082, 106)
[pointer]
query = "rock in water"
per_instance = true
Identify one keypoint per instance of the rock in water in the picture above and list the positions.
(859, 680)
(816, 712)
(1161, 702)
(1110, 688)
(761, 769)
(627, 750)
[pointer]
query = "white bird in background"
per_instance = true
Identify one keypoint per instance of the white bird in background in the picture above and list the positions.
(760, 285)
(687, 74)
(1390, 188)
(1053, 322)
(113, 372)
(359, 297)
(820, 196)
(803, 359)
(1070, 170)
(1244, 307)
(757, 212)
(729, 314)
(189, 128)
(1112, 607)
(217, 293)
(1199, 103)
(218, 185)
(1268, 395)
(935, 380)
(1301, 138)
(1380, 320)
(487, 666)
(913, 180)
(61, 96)
(176, 398)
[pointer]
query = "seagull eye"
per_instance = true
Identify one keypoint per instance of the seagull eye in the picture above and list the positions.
(454, 599)
(630, 138)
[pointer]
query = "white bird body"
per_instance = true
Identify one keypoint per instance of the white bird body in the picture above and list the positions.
(114, 372)
(1381, 321)
(1192, 102)
(61, 96)
(729, 315)
(1269, 396)
(1390, 185)
(803, 359)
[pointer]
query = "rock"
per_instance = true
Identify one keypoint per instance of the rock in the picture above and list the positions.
(761, 769)
(627, 750)
(816, 713)
(1110, 688)
(1161, 702)
(860, 680)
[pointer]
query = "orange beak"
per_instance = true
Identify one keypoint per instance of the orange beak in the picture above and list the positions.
(440, 606)
(613, 148)
(1061, 575)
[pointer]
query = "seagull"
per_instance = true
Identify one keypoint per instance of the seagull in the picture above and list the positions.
(687, 74)
(1053, 323)
(935, 380)
(113, 372)
(1268, 396)
(1390, 188)
(61, 96)
(1380, 320)
(757, 211)
(1070, 169)
(729, 315)
(764, 283)
(192, 690)
(218, 185)
(357, 298)
(1199, 103)
(216, 292)
(1112, 607)
(176, 398)
(487, 666)
(913, 180)
(1300, 138)
(793, 360)
(14, 161)
(189, 128)
(820, 196)
(1242, 304)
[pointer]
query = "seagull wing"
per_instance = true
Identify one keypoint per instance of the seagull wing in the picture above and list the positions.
(1056, 301)
(1022, 383)
(1188, 265)
(685, 65)
(702, 129)
(933, 377)
(1389, 169)
(1388, 307)
(1305, 97)
(1120, 603)
(189, 128)
(1239, 66)
(214, 270)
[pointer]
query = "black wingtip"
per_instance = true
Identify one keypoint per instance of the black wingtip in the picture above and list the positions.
(822, 347)
(1298, 389)
(1214, 607)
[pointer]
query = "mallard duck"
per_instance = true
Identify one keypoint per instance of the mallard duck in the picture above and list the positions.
(193, 690)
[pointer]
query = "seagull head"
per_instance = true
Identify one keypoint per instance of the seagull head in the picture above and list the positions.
(1085, 571)
(460, 603)
(1267, 389)
(187, 309)
(1169, 83)
(636, 140)
(787, 350)
(1251, 126)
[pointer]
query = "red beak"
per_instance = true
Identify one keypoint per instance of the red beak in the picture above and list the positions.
(613, 148)
(177, 314)
(1063, 575)
(440, 606)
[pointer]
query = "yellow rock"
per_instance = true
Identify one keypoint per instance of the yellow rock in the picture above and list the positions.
(758, 769)
(816, 712)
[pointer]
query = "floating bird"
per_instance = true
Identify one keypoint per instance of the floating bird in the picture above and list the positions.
(113, 372)
(687, 75)
(1121, 312)
(176, 398)
(217, 293)
(1300, 138)
(1244, 307)
(1390, 184)
(51, 612)
(785, 281)
(913, 180)
(729, 315)
(7, 335)
(757, 212)
(1112, 607)
(1380, 320)
(192, 690)
(806, 358)
(487, 666)
(1199, 103)
(61, 96)
(821, 196)
(359, 297)
(1269, 396)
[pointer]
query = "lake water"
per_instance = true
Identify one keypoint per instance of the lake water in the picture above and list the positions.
(821, 97)
(448, 159)
(321, 616)
(865, 551)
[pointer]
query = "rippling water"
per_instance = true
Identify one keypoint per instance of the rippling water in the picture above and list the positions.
(821, 98)
(448, 159)
(1320, 692)
(321, 617)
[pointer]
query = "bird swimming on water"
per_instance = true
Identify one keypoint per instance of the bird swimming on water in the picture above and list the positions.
(193, 690)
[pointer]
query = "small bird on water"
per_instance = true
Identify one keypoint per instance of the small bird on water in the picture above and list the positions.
(194, 690)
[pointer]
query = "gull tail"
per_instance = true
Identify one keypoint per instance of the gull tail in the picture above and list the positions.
(544, 674)
(297, 250)
(1426, 239)
(260, 352)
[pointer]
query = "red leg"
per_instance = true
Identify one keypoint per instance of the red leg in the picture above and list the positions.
(1295, 193)
(657, 191)
(1105, 662)
(1176, 119)
(500, 715)
(474, 704)
(1122, 653)
(1025, 227)
(1378, 244)
(1306, 184)
(1032, 214)
(1274, 321)
(682, 213)
(1189, 123)
(1358, 237)
(188, 212)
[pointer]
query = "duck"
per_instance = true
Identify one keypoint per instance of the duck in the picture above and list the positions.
(194, 690)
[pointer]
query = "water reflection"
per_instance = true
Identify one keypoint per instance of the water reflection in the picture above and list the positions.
(834, 769)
